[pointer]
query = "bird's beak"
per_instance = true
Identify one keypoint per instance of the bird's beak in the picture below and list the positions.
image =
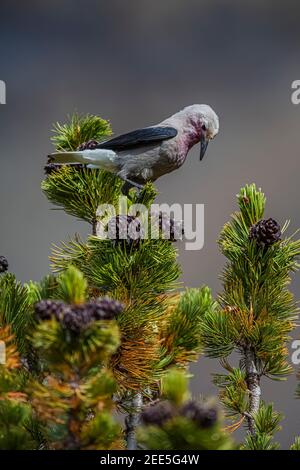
(203, 146)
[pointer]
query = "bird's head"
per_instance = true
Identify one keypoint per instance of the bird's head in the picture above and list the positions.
(204, 123)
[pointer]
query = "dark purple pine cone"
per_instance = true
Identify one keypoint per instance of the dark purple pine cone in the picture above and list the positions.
(265, 232)
(157, 414)
(3, 264)
(205, 416)
(47, 309)
(51, 168)
(125, 229)
(171, 229)
(90, 145)
(76, 318)
(104, 309)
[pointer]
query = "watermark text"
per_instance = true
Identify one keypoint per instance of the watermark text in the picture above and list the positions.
(2, 353)
(2, 92)
(172, 222)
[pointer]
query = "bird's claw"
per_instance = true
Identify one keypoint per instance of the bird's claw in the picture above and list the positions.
(126, 188)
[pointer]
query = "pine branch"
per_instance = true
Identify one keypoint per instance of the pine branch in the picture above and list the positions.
(78, 190)
(79, 129)
(296, 444)
(256, 310)
(16, 310)
(181, 339)
(81, 191)
(140, 278)
(75, 339)
(15, 411)
(265, 424)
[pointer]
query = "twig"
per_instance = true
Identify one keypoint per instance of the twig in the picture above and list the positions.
(94, 227)
(233, 427)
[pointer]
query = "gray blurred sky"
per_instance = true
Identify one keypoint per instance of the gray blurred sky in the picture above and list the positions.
(135, 62)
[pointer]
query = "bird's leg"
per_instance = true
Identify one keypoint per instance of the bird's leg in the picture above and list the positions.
(126, 188)
(134, 184)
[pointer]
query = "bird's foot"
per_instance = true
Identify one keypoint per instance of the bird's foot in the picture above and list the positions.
(128, 185)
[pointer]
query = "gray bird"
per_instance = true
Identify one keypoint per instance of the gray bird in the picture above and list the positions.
(146, 154)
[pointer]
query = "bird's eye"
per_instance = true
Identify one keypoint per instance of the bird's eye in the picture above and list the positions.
(203, 127)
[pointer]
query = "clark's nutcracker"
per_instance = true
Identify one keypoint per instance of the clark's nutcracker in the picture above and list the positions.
(146, 154)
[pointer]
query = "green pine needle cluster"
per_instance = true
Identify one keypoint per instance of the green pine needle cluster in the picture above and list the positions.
(296, 444)
(182, 336)
(79, 129)
(16, 310)
(80, 191)
(15, 412)
(266, 425)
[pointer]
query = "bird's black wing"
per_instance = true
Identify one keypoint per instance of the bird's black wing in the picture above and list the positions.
(139, 138)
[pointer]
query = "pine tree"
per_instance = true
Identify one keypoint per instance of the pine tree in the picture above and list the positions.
(254, 315)
(158, 329)
(109, 332)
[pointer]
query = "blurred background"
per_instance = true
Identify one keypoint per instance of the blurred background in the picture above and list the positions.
(136, 62)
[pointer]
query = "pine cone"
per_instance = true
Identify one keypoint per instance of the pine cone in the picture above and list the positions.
(125, 229)
(104, 309)
(76, 318)
(3, 264)
(51, 168)
(90, 145)
(265, 232)
(47, 309)
(157, 414)
(203, 415)
(171, 229)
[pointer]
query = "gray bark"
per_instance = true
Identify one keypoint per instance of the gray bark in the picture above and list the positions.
(132, 421)
(253, 384)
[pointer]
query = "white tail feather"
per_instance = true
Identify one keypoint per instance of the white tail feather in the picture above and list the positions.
(99, 158)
